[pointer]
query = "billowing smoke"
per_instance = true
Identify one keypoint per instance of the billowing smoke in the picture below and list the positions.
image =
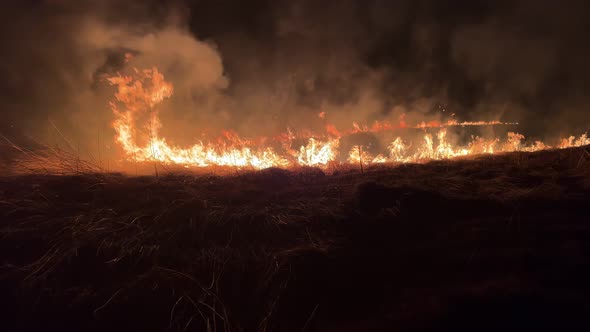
(61, 53)
(261, 66)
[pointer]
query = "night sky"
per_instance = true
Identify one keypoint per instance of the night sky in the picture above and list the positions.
(286, 60)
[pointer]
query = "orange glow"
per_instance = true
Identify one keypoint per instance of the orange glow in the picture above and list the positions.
(137, 126)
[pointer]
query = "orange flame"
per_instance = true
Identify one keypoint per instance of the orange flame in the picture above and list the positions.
(138, 96)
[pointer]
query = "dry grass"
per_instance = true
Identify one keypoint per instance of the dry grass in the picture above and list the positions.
(445, 245)
(44, 159)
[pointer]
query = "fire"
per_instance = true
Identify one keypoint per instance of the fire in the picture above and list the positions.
(398, 150)
(140, 95)
(317, 153)
(573, 142)
(358, 155)
(137, 126)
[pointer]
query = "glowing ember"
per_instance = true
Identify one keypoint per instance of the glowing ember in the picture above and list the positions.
(137, 98)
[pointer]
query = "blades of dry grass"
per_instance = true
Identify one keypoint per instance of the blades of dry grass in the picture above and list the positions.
(49, 160)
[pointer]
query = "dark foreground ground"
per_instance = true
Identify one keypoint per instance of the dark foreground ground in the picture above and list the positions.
(499, 243)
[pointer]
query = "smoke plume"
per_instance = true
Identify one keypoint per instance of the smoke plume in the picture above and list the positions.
(261, 66)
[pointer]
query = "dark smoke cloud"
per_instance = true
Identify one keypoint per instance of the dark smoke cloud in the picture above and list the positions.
(264, 65)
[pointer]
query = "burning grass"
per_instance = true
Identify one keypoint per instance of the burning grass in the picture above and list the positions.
(137, 126)
(500, 239)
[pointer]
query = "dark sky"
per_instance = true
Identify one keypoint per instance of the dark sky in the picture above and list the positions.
(285, 60)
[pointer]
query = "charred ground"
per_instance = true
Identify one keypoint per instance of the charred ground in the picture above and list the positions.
(494, 243)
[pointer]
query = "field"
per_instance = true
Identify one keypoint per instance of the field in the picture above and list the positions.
(492, 243)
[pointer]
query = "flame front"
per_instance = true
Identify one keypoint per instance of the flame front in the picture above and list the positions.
(138, 96)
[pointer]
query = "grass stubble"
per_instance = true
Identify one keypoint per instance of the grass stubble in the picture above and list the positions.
(496, 242)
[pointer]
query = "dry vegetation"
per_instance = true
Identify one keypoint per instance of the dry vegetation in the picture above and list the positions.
(494, 243)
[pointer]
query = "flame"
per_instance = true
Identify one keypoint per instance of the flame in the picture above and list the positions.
(317, 153)
(573, 142)
(141, 94)
(137, 126)
(358, 155)
(398, 150)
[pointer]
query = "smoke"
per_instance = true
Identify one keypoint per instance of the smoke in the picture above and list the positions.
(529, 58)
(194, 67)
(261, 66)
(55, 87)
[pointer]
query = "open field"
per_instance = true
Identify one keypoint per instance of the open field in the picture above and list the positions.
(495, 243)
